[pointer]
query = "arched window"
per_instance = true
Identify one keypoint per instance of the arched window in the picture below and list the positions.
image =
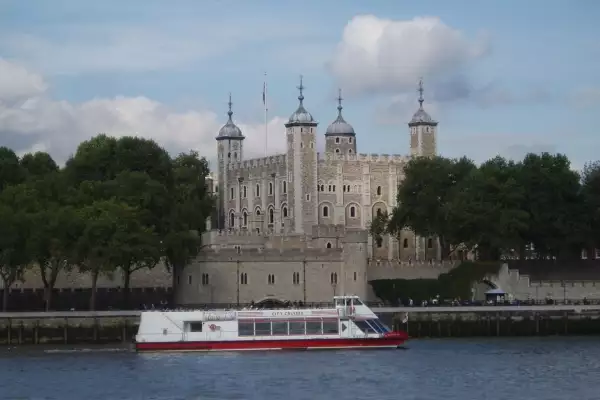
(271, 216)
(405, 243)
(379, 242)
(337, 151)
(270, 188)
(231, 220)
(352, 212)
(284, 212)
(328, 245)
(245, 218)
(322, 188)
(284, 187)
(349, 151)
(333, 188)
(430, 243)
(257, 211)
(379, 212)
(325, 211)
(337, 139)
(257, 190)
(378, 190)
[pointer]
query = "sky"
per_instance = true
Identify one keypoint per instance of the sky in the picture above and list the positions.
(501, 77)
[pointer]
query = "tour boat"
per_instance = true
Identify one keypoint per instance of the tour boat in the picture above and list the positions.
(348, 324)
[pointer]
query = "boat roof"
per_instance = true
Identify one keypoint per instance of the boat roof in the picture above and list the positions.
(345, 297)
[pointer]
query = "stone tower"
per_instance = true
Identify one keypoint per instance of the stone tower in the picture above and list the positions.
(230, 148)
(340, 137)
(301, 131)
(423, 130)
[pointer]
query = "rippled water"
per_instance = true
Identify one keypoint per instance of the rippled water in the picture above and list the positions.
(495, 369)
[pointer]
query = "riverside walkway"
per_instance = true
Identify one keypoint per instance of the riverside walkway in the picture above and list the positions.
(378, 310)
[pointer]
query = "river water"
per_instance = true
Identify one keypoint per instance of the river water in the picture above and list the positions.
(448, 369)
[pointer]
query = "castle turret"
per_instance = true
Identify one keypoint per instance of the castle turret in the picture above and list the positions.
(230, 149)
(301, 130)
(423, 130)
(340, 137)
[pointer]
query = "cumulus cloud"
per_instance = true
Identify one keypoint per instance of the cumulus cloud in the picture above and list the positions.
(31, 120)
(382, 55)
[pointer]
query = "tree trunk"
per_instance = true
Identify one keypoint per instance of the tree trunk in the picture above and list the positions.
(174, 274)
(126, 284)
(5, 296)
(95, 273)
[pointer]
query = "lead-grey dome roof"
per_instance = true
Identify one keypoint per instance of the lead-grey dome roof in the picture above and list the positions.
(421, 117)
(340, 127)
(230, 130)
(301, 116)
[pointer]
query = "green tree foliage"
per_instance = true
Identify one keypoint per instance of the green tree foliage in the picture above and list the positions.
(118, 206)
(538, 207)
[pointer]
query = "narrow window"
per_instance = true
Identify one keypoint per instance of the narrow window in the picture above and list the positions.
(245, 218)
(232, 220)
(353, 212)
(429, 243)
(257, 190)
(232, 193)
(326, 211)
(284, 212)
(378, 190)
(337, 139)
(405, 243)
(328, 245)
(270, 188)
(284, 184)
(271, 216)
(245, 191)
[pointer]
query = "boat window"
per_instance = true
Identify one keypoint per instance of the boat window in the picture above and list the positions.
(357, 302)
(314, 328)
(380, 324)
(195, 326)
(262, 328)
(363, 326)
(280, 328)
(297, 328)
(376, 327)
(330, 327)
(245, 328)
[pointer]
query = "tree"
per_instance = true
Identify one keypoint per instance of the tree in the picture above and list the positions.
(37, 165)
(99, 250)
(554, 202)
(191, 205)
(424, 196)
(93, 161)
(14, 255)
(591, 199)
(487, 211)
(11, 172)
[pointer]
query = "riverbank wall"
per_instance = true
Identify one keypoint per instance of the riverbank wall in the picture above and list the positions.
(72, 328)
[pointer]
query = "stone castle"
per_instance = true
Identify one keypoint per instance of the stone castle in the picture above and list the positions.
(294, 226)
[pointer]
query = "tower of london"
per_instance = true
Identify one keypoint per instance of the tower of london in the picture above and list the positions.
(294, 226)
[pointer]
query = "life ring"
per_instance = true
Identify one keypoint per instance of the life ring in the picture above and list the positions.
(212, 327)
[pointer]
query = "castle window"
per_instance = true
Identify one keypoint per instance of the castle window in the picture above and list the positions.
(337, 139)
(232, 193)
(308, 197)
(271, 279)
(379, 212)
(405, 243)
(257, 211)
(284, 211)
(245, 218)
(228, 155)
(349, 151)
(271, 216)
(270, 188)
(378, 190)
(257, 190)
(244, 278)
(333, 278)
(235, 156)
(355, 276)
(312, 145)
(350, 140)
(296, 278)
(430, 243)
(352, 212)
(231, 220)
(284, 186)
(328, 245)
(329, 188)
(322, 188)
(189, 279)
(337, 151)
(205, 279)
(333, 188)
(301, 145)
(325, 211)
(379, 242)
(245, 188)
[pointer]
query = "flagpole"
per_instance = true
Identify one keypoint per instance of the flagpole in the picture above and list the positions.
(266, 114)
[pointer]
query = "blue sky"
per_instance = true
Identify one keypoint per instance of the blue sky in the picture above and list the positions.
(501, 77)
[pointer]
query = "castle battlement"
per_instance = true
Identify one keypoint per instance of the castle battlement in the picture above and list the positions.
(277, 159)
(266, 254)
(363, 157)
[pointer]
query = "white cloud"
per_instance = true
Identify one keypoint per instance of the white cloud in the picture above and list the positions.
(30, 120)
(385, 55)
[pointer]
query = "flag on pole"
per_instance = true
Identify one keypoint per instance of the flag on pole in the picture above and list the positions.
(265, 93)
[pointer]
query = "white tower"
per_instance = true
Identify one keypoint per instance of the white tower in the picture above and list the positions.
(229, 149)
(423, 130)
(301, 131)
